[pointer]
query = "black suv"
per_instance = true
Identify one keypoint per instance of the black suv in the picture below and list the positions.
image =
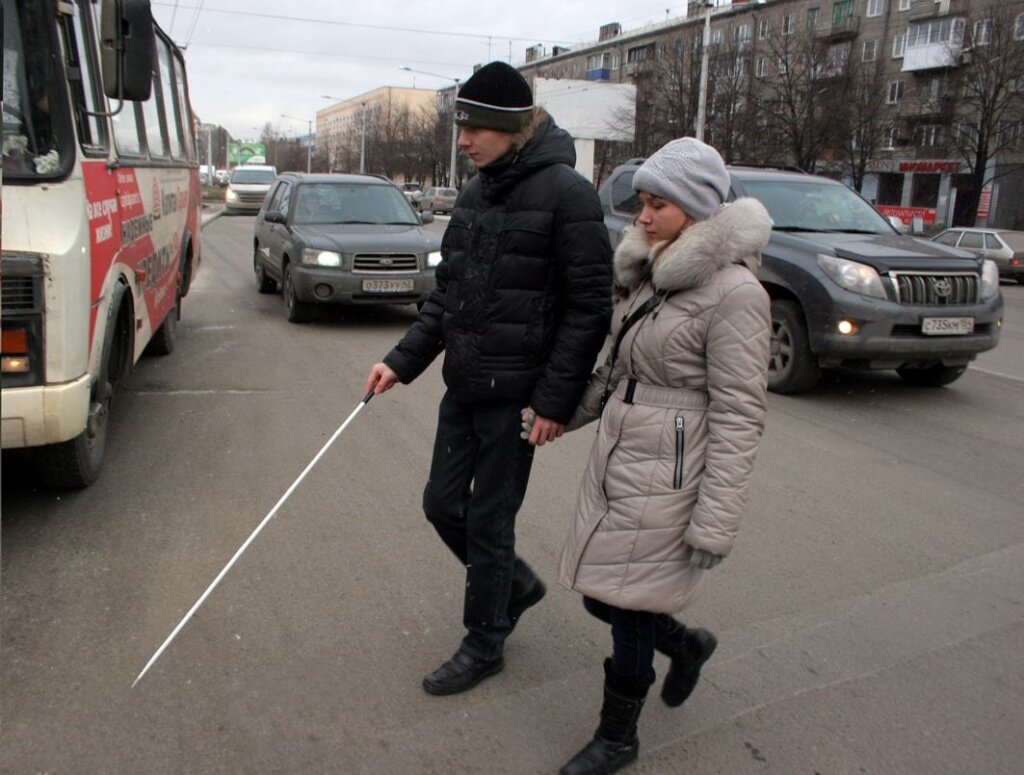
(849, 290)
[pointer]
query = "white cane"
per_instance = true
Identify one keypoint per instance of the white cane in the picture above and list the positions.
(244, 546)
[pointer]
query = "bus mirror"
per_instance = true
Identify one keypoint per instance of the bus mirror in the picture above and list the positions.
(128, 49)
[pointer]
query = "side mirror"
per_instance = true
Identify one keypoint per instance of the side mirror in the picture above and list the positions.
(274, 216)
(426, 218)
(127, 49)
(897, 223)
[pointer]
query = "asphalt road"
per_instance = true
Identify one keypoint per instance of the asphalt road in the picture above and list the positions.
(870, 619)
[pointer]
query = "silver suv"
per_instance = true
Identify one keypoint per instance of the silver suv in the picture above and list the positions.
(849, 290)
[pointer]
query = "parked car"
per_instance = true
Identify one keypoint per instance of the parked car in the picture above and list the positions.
(438, 200)
(248, 187)
(342, 239)
(222, 177)
(1003, 246)
(847, 288)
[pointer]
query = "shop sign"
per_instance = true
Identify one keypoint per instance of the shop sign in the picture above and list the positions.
(929, 165)
(984, 201)
(908, 214)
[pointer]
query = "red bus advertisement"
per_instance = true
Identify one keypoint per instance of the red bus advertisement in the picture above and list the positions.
(101, 204)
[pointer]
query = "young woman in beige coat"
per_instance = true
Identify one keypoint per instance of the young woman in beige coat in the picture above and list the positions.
(681, 402)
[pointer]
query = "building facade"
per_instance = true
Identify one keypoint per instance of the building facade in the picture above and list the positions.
(919, 104)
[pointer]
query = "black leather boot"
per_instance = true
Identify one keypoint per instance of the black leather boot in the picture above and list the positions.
(688, 648)
(615, 742)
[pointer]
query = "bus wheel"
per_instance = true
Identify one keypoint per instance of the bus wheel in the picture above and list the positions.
(76, 463)
(166, 336)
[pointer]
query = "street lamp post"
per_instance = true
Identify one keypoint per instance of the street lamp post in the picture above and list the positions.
(309, 139)
(455, 128)
(702, 98)
(362, 131)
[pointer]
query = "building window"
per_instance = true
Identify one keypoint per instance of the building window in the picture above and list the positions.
(891, 135)
(764, 29)
(762, 67)
(716, 37)
(928, 135)
(870, 50)
(904, 5)
(783, 65)
(741, 34)
(787, 24)
(837, 57)
(899, 45)
(1009, 134)
(895, 91)
(640, 53)
(875, 7)
(1018, 27)
(946, 31)
(841, 9)
(982, 32)
(812, 18)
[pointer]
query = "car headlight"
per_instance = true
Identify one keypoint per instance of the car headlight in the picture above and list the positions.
(853, 276)
(232, 196)
(434, 258)
(989, 279)
(321, 257)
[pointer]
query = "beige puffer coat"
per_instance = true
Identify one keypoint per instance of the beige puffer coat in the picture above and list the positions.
(670, 467)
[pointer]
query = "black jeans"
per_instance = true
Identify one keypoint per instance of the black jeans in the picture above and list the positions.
(632, 637)
(478, 478)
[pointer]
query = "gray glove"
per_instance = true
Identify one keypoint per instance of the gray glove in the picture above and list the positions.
(704, 560)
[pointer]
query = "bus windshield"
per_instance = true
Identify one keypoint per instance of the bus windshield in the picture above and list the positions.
(35, 141)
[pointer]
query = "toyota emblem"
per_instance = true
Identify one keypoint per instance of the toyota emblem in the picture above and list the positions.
(943, 287)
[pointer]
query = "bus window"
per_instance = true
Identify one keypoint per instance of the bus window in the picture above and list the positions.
(37, 132)
(126, 130)
(153, 123)
(183, 108)
(171, 106)
(81, 67)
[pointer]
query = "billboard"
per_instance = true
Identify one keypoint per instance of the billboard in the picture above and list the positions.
(240, 153)
(590, 110)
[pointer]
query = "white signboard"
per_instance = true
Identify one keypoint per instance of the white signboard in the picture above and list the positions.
(589, 110)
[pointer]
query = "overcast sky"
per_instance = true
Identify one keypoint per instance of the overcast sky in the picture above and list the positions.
(250, 61)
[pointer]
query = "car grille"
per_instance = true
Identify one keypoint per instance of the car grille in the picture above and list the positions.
(385, 262)
(934, 290)
(250, 198)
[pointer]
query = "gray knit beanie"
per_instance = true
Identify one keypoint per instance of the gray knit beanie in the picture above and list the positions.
(689, 174)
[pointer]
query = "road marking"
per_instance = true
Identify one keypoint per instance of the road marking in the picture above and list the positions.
(996, 373)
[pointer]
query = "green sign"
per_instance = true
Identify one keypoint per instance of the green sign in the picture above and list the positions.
(240, 153)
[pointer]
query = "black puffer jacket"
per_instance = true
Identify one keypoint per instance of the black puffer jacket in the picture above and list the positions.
(523, 298)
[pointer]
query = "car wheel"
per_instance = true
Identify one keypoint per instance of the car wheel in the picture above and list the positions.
(931, 376)
(791, 365)
(296, 310)
(263, 283)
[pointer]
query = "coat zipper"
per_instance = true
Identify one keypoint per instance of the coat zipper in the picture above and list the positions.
(678, 482)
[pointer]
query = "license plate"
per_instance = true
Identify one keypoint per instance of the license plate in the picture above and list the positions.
(387, 286)
(947, 326)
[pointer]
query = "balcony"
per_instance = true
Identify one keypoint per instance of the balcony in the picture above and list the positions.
(838, 29)
(929, 9)
(934, 56)
(931, 109)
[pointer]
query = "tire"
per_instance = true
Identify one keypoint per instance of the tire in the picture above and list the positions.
(931, 376)
(76, 463)
(296, 310)
(791, 367)
(166, 336)
(264, 284)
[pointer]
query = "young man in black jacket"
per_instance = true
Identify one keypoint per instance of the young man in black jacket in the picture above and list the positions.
(521, 310)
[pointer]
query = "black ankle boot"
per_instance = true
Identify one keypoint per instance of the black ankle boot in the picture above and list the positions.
(689, 649)
(615, 742)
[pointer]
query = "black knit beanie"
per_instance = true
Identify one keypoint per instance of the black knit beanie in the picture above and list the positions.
(495, 97)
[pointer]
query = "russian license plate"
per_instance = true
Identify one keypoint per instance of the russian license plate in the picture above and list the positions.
(387, 286)
(947, 326)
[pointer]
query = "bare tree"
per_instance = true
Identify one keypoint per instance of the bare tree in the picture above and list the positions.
(866, 122)
(799, 92)
(990, 113)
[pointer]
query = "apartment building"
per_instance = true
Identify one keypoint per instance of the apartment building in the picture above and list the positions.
(931, 66)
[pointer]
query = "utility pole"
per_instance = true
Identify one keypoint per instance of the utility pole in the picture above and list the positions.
(702, 99)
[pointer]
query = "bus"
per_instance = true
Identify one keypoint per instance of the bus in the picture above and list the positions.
(100, 219)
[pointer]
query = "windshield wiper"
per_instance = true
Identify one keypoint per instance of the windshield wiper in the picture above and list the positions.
(801, 228)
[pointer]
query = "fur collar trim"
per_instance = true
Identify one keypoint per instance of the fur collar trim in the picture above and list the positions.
(736, 234)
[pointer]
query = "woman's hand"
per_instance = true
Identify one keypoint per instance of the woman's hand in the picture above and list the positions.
(704, 560)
